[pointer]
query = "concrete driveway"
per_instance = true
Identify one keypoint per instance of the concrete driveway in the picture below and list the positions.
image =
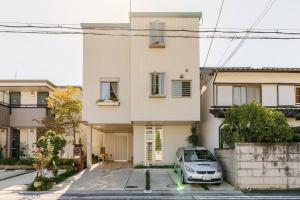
(100, 178)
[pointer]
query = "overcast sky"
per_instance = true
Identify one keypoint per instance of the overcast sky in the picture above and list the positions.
(59, 57)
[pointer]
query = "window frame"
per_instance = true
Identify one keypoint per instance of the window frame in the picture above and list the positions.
(161, 95)
(246, 86)
(297, 87)
(157, 33)
(153, 143)
(181, 80)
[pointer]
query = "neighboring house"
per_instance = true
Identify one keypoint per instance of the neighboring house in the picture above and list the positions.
(142, 93)
(22, 107)
(277, 88)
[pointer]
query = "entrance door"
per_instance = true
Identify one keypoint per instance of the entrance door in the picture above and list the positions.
(15, 143)
(121, 147)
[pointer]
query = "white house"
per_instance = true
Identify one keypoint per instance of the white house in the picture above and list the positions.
(277, 88)
(141, 85)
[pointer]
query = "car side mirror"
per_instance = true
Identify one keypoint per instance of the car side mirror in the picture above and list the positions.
(180, 159)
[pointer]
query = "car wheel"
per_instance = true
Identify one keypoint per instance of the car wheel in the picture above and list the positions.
(182, 178)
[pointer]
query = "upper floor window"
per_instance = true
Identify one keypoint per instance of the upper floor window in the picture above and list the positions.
(245, 94)
(181, 88)
(157, 84)
(298, 95)
(156, 33)
(15, 98)
(109, 91)
(42, 98)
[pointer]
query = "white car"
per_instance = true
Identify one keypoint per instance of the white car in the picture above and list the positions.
(197, 165)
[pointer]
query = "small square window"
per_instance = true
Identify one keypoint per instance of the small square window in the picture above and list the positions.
(181, 88)
(109, 91)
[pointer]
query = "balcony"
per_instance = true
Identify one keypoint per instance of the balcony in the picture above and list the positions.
(27, 115)
(288, 111)
(4, 109)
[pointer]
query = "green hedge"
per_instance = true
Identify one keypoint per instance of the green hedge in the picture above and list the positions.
(48, 183)
(154, 166)
(13, 161)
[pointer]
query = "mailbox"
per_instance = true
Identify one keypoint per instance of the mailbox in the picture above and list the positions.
(78, 157)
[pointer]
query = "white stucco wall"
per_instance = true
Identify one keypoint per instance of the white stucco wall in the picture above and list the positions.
(208, 129)
(174, 136)
(28, 97)
(180, 56)
(106, 57)
(269, 94)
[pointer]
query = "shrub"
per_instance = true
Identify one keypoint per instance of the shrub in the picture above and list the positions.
(154, 166)
(65, 161)
(193, 138)
(147, 177)
(255, 123)
(296, 138)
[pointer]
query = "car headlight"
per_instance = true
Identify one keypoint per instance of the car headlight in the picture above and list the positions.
(189, 169)
(219, 169)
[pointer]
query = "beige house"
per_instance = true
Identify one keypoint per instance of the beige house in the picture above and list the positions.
(141, 86)
(277, 88)
(22, 107)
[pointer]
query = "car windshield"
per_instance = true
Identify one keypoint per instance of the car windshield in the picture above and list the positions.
(198, 155)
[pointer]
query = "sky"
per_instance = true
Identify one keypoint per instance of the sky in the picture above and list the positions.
(59, 57)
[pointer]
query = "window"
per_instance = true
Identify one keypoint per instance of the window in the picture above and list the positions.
(297, 95)
(153, 144)
(41, 98)
(109, 91)
(15, 98)
(245, 94)
(181, 88)
(156, 33)
(157, 84)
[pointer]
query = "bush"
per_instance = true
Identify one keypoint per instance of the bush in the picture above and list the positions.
(296, 138)
(154, 166)
(65, 161)
(48, 183)
(13, 161)
(147, 177)
(255, 123)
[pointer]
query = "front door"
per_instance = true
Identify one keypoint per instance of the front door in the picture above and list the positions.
(15, 143)
(121, 147)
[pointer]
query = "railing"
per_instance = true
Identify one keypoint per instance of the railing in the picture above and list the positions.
(4, 98)
(28, 106)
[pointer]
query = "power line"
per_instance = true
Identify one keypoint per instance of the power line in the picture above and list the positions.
(225, 52)
(147, 35)
(211, 41)
(257, 21)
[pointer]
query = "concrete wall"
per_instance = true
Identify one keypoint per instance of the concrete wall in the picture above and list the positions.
(226, 157)
(174, 136)
(266, 166)
(180, 56)
(24, 117)
(28, 97)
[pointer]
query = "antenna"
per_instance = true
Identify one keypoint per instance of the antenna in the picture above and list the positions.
(130, 11)
(16, 73)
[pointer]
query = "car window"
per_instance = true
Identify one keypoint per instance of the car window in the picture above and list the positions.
(198, 155)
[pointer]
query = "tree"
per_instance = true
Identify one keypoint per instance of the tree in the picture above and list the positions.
(65, 106)
(193, 138)
(255, 123)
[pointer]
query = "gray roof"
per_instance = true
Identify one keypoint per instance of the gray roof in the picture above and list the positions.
(251, 69)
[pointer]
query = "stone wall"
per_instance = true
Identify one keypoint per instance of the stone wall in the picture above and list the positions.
(263, 166)
(226, 158)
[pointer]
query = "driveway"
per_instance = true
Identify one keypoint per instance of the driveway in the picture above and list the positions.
(101, 178)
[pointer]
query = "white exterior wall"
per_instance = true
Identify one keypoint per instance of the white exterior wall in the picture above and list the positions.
(180, 56)
(105, 57)
(269, 94)
(28, 97)
(209, 125)
(286, 95)
(174, 136)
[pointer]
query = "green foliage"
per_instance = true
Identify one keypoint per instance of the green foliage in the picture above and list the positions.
(255, 123)
(296, 137)
(95, 159)
(48, 183)
(147, 179)
(297, 116)
(66, 161)
(1, 152)
(56, 140)
(157, 141)
(13, 161)
(193, 138)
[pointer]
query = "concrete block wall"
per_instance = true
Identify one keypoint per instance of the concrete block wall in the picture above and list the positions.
(226, 157)
(263, 166)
